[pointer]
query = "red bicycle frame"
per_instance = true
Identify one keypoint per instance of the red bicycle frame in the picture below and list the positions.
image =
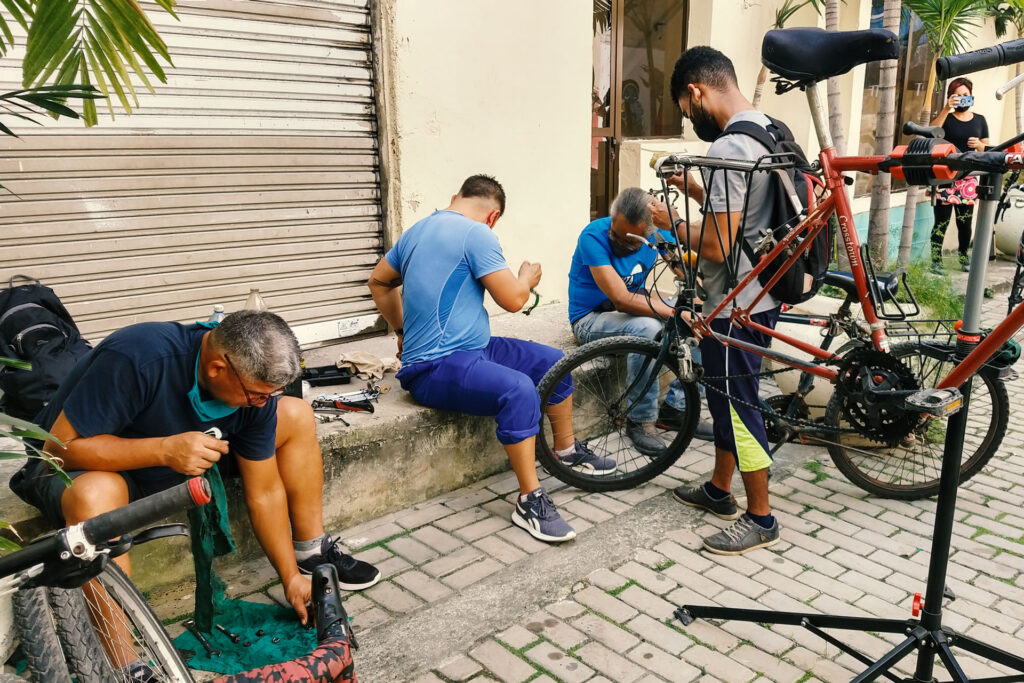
(835, 200)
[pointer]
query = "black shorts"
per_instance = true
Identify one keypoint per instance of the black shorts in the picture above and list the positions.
(38, 485)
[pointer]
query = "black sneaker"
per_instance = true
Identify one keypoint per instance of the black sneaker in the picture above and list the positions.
(671, 419)
(743, 536)
(645, 438)
(353, 574)
(138, 672)
(698, 497)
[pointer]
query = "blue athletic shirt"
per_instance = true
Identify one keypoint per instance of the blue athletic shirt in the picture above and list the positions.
(442, 258)
(593, 249)
(135, 385)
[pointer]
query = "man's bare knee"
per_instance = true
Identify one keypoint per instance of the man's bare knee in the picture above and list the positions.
(295, 418)
(93, 493)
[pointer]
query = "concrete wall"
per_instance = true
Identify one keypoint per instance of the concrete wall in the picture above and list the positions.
(485, 86)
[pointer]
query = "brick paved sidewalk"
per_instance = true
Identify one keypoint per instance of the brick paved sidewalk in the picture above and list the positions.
(470, 597)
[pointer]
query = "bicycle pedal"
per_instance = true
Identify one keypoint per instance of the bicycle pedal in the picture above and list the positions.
(937, 402)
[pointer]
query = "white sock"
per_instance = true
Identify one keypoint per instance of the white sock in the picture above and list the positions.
(566, 451)
(307, 549)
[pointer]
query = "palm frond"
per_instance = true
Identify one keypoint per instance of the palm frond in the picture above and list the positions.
(791, 7)
(111, 43)
(949, 24)
(48, 99)
(16, 10)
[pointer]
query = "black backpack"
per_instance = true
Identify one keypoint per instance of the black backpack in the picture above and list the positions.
(803, 280)
(35, 327)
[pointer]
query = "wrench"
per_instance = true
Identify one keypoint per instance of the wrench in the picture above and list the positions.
(190, 624)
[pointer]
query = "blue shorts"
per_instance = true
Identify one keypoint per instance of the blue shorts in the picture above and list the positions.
(500, 380)
(739, 429)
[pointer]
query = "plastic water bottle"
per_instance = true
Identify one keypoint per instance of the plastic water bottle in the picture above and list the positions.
(218, 313)
(255, 302)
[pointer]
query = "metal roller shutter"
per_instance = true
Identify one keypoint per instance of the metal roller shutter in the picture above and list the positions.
(255, 165)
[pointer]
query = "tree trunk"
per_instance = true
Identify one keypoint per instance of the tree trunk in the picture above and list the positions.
(1018, 94)
(835, 107)
(762, 76)
(881, 184)
(914, 192)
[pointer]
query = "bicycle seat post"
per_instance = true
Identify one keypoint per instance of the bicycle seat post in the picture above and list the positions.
(988, 193)
(819, 116)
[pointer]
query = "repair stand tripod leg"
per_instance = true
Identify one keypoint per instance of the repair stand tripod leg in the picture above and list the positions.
(927, 636)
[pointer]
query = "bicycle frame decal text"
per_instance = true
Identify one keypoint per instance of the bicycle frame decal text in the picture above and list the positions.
(851, 253)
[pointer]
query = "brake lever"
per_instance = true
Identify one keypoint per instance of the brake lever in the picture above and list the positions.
(159, 531)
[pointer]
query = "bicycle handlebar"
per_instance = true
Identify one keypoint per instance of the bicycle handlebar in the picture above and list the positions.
(192, 493)
(109, 525)
(1009, 85)
(951, 66)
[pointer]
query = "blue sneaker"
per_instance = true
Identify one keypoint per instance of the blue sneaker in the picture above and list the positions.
(587, 461)
(537, 514)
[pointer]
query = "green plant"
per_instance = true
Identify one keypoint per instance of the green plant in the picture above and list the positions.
(84, 49)
(934, 292)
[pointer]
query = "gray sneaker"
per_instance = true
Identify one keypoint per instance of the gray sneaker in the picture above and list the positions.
(697, 497)
(644, 436)
(743, 536)
(538, 516)
(587, 461)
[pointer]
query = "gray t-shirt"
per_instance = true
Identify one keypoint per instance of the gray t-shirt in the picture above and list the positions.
(726, 193)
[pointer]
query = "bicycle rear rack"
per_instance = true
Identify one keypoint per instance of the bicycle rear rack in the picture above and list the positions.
(884, 302)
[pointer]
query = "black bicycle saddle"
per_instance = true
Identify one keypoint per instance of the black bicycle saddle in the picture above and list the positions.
(807, 55)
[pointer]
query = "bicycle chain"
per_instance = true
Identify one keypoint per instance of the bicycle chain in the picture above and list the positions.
(798, 422)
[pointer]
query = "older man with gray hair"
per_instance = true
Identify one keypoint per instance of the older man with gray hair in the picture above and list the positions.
(156, 403)
(607, 297)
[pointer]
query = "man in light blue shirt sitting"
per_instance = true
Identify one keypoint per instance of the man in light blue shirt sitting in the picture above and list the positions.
(450, 361)
(607, 297)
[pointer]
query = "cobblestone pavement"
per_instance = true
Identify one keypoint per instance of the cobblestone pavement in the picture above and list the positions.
(470, 597)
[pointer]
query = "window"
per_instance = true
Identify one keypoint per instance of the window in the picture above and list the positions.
(911, 82)
(653, 37)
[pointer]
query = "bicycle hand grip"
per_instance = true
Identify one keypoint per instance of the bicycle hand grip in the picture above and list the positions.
(951, 66)
(935, 132)
(192, 493)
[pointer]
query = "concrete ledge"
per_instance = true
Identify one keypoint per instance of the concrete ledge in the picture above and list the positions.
(398, 456)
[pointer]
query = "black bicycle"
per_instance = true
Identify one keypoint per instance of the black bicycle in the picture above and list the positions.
(81, 618)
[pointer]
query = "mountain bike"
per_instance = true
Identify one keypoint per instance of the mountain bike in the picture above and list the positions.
(80, 617)
(884, 424)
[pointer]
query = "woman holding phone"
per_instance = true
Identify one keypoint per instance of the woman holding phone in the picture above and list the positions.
(967, 131)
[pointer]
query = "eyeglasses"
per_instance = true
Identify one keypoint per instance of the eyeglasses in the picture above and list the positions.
(253, 398)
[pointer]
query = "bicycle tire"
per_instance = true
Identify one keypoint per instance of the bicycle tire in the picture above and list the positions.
(915, 470)
(129, 630)
(34, 625)
(599, 404)
(82, 647)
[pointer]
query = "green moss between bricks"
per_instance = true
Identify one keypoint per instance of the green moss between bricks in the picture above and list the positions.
(615, 591)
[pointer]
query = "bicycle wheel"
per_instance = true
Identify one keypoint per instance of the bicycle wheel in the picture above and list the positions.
(129, 631)
(600, 404)
(82, 647)
(34, 624)
(911, 469)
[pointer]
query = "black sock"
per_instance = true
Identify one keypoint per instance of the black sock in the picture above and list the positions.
(763, 521)
(715, 493)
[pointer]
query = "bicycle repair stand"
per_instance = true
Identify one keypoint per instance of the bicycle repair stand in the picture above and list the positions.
(926, 635)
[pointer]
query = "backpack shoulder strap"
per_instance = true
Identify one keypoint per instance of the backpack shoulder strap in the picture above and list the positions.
(752, 130)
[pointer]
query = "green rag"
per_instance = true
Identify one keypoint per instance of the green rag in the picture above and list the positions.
(210, 538)
(245, 618)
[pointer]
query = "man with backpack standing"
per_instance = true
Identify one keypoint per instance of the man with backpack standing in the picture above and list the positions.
(705, 88)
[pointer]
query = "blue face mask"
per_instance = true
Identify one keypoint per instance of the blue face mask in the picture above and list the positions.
(207, 411)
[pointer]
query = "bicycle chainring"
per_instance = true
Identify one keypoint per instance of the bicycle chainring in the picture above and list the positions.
(780, 405)
(865, 377)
